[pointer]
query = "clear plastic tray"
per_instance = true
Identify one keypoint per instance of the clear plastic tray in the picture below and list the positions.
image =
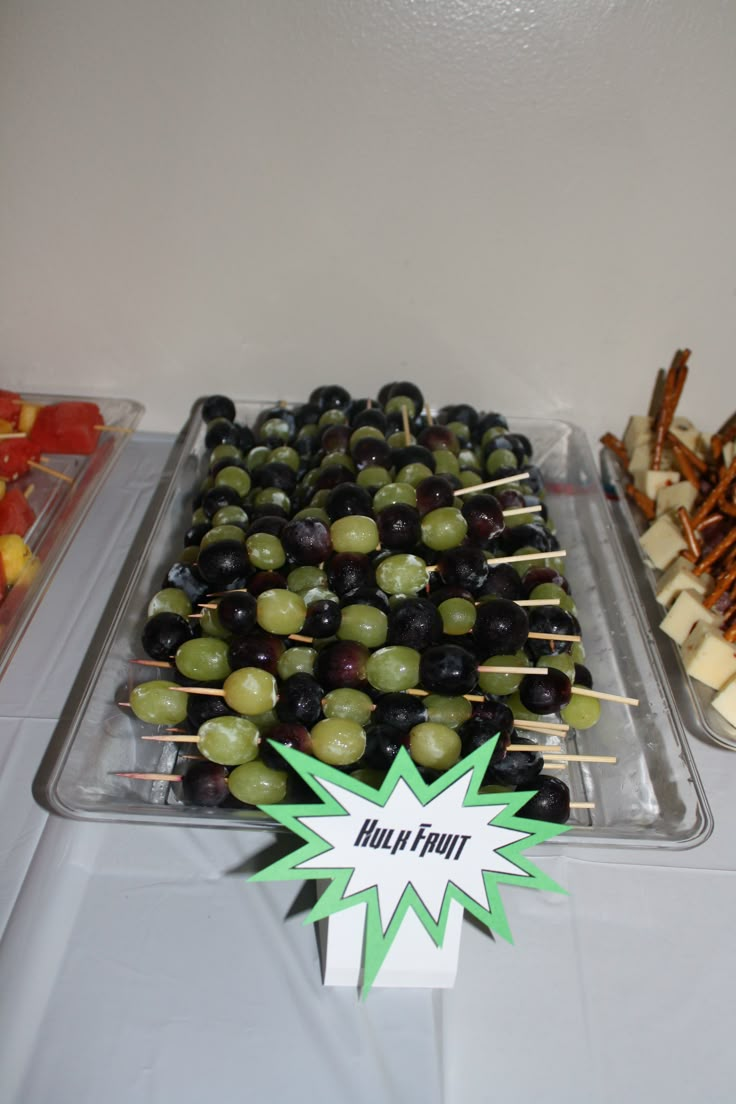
(651, 798)
(694, 699)
(60, 507)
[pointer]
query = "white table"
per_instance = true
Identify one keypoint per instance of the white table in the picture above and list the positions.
(137, 964)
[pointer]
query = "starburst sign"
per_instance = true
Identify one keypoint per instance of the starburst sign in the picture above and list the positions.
(409, 845)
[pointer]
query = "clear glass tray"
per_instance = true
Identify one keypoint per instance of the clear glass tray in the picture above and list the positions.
(60, 508)
(693, 698)
(651, 798)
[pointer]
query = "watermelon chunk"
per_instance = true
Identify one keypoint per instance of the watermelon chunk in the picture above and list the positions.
(16, 513)
(14, 456)
(9, 406)
(67, 427)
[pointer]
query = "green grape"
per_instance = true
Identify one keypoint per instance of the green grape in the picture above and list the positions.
(402, 574)
(413, 474)
(354, 533)
(353, 705)
(490, 434)
(581, 712)
(470, 477)
(189, 555)
(233, 477)
(301, 579)
(446, 462)
(274, 427)
(522, 519)
(273, 496)
(458, 616)
(250, 691)
(522, 566)
(341, 459)
(319, 498)
(265, 551)
(393, 668)
(199, 517)
(393, 493)
(256, 784)
(364, 431)
(451, 712)
(222, 533)
(500, 458)
(280, 612)
(338, 741)
(230, 515)
(203, 659)
(257, 457)
(444, 528)
(365, 624)
(224, 452)
(468, 459)
(157, 704)
(296, 661)
(568, 605)
(228, 740)
(548, 590)
(373, 476)
(398, 439)
(169, 600)
(394, 405)
(517, 707)
(285, 454)
(434, 745)
(313, 512)
(264, 722)
(206, 485)
(332, 417)
(319, 594)
(211, 625)
(501, 684)
(461, 431)
(578, 653)
(369, 777)
(563, 661)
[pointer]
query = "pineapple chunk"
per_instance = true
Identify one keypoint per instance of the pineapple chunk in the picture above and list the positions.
(27, 416)
(15, 555)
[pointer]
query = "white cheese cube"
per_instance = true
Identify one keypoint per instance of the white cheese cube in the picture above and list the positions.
(729, 450)
(662, 541)
(708, 657)
(679, 576)
(725, 701)
(686, 612)
(672, 497)
(684, 430)
(641, 458)
(651, 482)
(638, 431)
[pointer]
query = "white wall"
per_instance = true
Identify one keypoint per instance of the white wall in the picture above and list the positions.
(530, 203)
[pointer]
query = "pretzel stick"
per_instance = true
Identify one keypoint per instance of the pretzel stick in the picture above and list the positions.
(644, 502)
(672, 390)
(722, 585)
(695, 460)
(615, 444)
(688, 531)
(711, 500)
(715, 554)
(683, 463)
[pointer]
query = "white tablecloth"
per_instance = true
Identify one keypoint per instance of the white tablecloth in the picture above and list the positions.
(137, 964)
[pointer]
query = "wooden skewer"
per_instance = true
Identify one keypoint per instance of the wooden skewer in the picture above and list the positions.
(491, 670)
(113, 429)
(405, 422)
(585, 693)
(11, 436)
(535, 747)
(425, 693)
(151, 663)
(533, 602)
(205, 690)
(582, 804)
(493, 483)
(569, 637)
(29, 490)
(428, 414)
(149, 777)
(50, 471)
(552, 728)
(173, 736)
(526, 556)
(521, 510)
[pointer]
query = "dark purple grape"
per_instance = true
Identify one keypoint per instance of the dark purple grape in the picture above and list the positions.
(436, 437)
(237, 612)
(275, 474)
(406, 389)
(545, 693)
(221, 431)
(217, 497)
(503, 582)
(307, 414)
(464, 567)
(186, 577)
(447, 669)
(286, 734)
(323, 619)
(266, 580)
(583, 677)
(222, 563)
(348, 499)
(510, 499)
(527, 536)
(459, 412)
(400, 711)
(195, 533)
(478, 731)
(268, 509)
(370, 416)
(382, 745)
(371, 452)
(300, 700)
(306, 540)
(218, 406)
(203, 707)
(412, 454)
(488, 421)
(367, 596)
(534, 479)
(342, 664)
(498, 716)
(256, 650)
(433, 493)
(501, 627)
(551, 619)
(522, 442)
(550, 801)
(205, 784)
(164, 633)
(484, 516)
(270, 523)
(348, 570)
(535, 576)
(414, 623)
(331, 476)
(517, 768)
(439, 593)
(399, 527)
(246, 438)
(330, 396)
(335, 438)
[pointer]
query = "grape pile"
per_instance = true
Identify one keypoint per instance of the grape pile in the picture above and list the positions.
(339, 596)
